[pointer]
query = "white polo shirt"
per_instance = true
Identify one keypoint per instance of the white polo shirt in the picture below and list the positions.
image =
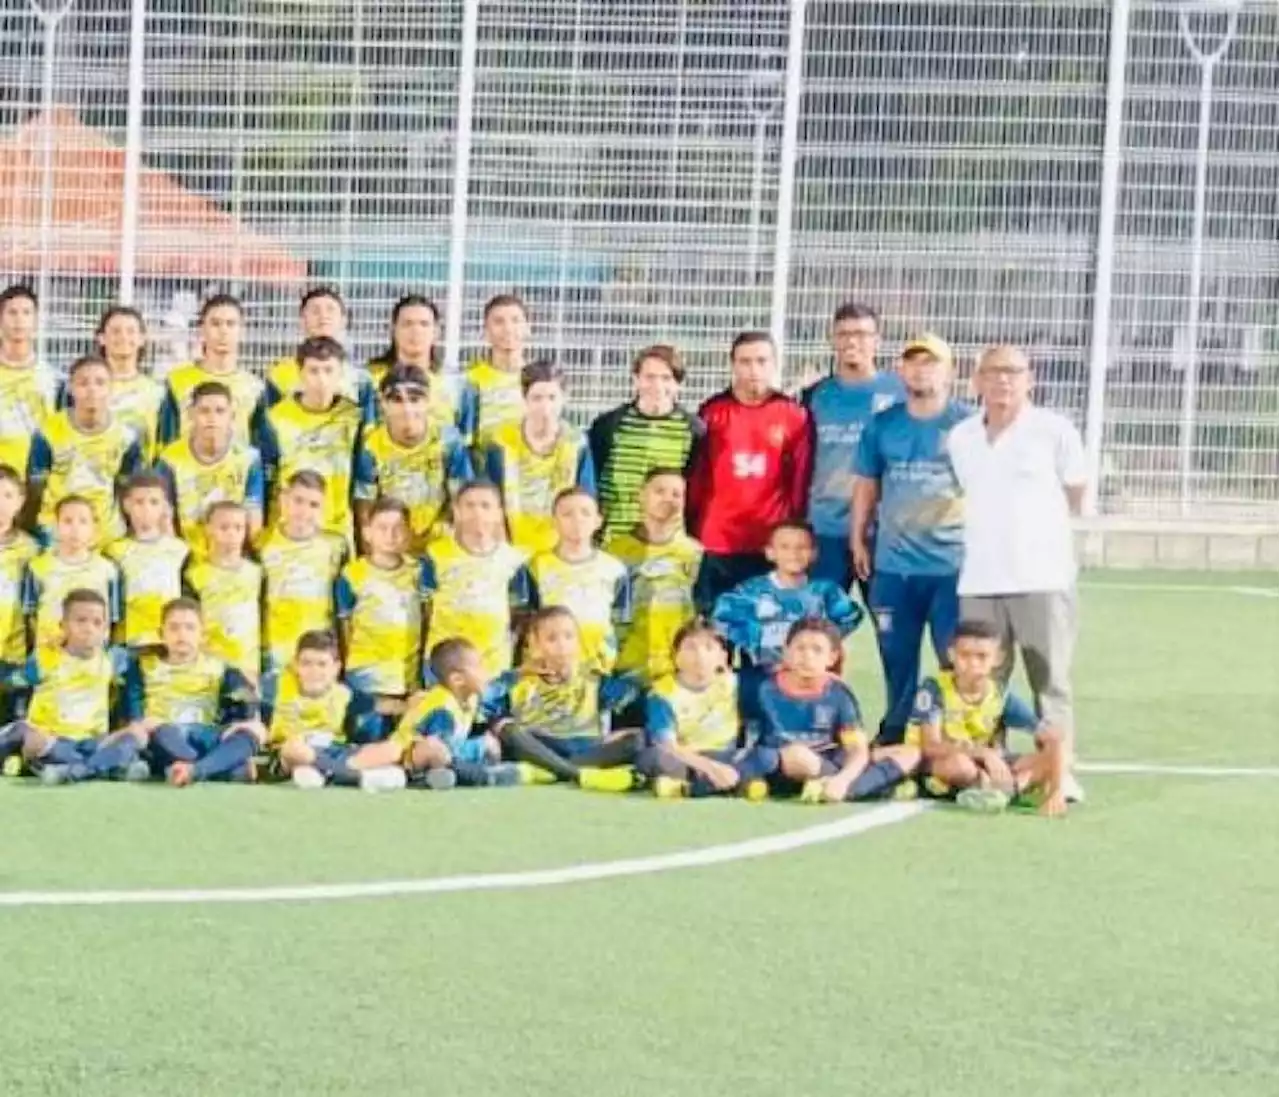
(1017, 528)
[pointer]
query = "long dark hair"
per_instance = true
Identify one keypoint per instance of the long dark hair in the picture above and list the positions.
(391, 355)
(111, 314)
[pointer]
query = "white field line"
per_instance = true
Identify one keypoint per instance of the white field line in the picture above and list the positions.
(1185, 588)
(844, 827)
(1155, 769)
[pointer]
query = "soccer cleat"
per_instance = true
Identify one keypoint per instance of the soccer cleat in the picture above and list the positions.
(383, 779)
(937, 788)
(813, 792)
(614, 779)
(1072, 790)
(441, 779)
(503, 775)
(180, 774)
(984, 801)
(54, 775)
(905, 790)
(756, 791)
(535, 775)
(13, 766)
(668, 788)
(136, 772)
(307, 777)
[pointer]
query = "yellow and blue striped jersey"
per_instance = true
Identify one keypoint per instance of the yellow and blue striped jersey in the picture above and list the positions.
(136, 401)
(663, 577)
(72, 697)
(231, 605)
(247, 396)
(299, 578)
(68, 461)
(16, 553)
(700, 719)
(451, 398)
(498, 399)
(284, 377)
(295, 439)
(574, 707)
(384, 610)
(423, 477)
(150, 577)
(195, 485)
(981, 722)
(50, 579)
(471, 596)
(27, 395)
(337, 714)
(530, 481)
(204, 691)
(595, 589)
(438, 713)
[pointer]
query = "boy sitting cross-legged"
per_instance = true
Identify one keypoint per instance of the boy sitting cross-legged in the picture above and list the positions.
(812, 722)
(199, 714)
(316, 723)
(554, 712)
(960, 719)
(691, 723)
(75, 687)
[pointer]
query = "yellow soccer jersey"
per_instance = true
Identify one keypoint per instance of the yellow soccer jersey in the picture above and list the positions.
(531, 481)
(576, 707)
(423, 477)
(246, 394)
(436, 712)
(50, 579)
(662, 578)
(136, 402)
(284, 380)
(595, 589)
(384, 610)
(231, 604)
(150, 577)
(188, 693)
(499, 401)
(295, 715)
(319, 441)
(981, 722)
(471, 597)
(27, 395)
(71, 462)
(16, 552)
(299, 578)
(196, 485)
(71, 696)
(700, 719)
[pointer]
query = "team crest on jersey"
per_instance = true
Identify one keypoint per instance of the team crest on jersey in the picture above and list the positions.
(823, 715)
(881, 401)
(924, 700)
(777, 436)
(767, 607)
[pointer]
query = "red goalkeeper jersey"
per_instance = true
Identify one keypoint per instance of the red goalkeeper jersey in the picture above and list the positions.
(750, 472)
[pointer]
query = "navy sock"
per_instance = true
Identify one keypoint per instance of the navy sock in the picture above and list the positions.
(62, 752)
(877, 779)
(11, 738)
(471, 774)
(226, 758)
(171, 744)
(112, 756)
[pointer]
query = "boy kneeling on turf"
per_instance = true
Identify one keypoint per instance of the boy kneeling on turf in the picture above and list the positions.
(811, 721)
(200, 715)
(554, 712)
(691, 723)
(959, 722)
(75, 687)
(316, 723)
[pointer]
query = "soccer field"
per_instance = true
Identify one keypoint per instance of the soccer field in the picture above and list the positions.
(1129, 949)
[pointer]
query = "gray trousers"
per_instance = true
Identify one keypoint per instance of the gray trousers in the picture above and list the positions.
(1042, 626)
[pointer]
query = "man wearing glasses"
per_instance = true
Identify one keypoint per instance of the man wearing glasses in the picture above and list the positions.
(410, 456)
(840, 405)
(1023, 472)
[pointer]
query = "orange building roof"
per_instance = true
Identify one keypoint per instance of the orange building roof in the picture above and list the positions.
(180, 234)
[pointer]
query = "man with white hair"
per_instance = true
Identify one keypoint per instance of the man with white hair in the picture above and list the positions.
(1023, 472)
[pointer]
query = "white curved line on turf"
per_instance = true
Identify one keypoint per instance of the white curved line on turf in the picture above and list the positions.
(1185, 588)
(844, 827)
(1160, 770)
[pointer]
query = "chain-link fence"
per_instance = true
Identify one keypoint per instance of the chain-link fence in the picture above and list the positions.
(1093, 179)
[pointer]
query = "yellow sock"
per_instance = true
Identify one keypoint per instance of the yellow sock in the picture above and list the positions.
(535, 775)
(615, 779)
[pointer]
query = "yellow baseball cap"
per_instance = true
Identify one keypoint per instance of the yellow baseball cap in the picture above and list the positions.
(931, 344)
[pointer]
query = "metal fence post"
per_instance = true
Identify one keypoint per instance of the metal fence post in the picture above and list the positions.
(132, 196)
(461, 183)
(794, 90)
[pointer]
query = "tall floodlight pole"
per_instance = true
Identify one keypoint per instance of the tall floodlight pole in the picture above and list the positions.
(132, 192)
(355, 108)
(762, 103)
(1207, 58)
(794, 89)
(461, 182)
(50, 18)
(573, 155)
